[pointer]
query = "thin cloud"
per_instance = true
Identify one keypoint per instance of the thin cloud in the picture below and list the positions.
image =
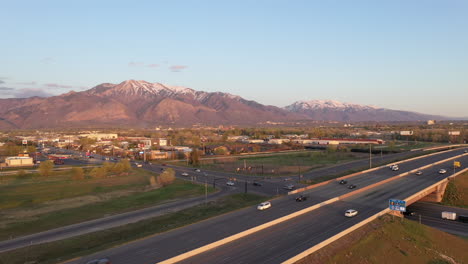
(178, 68)
(152, 65)
(31, 92)
(6, 89)
(56, 85)
(136, 64)
(47, 60)
(1, 81)
(26, 83)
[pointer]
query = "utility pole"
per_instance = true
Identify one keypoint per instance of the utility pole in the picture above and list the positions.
(206, 191)
(370, 156)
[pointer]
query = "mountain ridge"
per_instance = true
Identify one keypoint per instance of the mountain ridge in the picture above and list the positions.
(145, 104)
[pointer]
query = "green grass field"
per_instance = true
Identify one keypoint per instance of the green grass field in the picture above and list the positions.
(59, 251)
(456, 193)
(281, 164)
(32, 189)
(67, 216)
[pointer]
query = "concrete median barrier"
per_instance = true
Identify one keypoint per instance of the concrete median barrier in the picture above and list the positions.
(334, 238)
(245, 233)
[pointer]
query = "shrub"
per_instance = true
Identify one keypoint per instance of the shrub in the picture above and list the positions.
(45, 169)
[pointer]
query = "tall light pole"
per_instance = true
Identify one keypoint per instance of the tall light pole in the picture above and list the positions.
(206, 189)
(370, 156)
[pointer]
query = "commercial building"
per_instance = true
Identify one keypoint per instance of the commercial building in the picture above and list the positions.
(19, 161)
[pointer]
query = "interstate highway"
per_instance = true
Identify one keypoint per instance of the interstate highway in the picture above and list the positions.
(166, 245)
(283, 241)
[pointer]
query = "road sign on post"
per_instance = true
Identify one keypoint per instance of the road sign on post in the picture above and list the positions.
(397, 205)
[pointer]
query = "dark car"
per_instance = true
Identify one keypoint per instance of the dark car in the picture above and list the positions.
(257, 183)
(352, 186)
(99, 261)
(343, 182)
(409, 213)
(301, 198)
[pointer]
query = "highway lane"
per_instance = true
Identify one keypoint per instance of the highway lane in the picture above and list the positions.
(431, 215)
(287, 239)
(166, 245)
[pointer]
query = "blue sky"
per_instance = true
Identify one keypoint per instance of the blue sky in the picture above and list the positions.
(407, 55)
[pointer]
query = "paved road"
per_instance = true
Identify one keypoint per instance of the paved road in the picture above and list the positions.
(431, 215)
(284, 240)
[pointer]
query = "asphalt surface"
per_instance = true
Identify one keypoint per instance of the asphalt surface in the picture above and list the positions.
(285, 240)
(431, 215)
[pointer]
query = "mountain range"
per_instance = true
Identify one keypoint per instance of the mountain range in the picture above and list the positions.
(143, 104)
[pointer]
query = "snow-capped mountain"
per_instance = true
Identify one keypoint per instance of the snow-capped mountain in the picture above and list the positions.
(324, 104)
(137, 103)
(330, 110)
(143, 104)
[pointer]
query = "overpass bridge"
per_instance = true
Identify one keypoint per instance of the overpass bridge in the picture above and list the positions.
(290, 230)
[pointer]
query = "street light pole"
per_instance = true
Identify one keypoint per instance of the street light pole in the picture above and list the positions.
(370, 156)
(206, 191)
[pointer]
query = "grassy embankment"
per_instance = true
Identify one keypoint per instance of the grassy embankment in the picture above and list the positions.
(86, 244)
(280, 164)
(456, 193)
(31, 203)
(388, 240)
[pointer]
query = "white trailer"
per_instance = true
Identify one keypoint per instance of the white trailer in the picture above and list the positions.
(449, 215)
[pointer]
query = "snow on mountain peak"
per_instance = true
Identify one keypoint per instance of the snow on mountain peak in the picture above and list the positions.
(326, 104)
(134, 87)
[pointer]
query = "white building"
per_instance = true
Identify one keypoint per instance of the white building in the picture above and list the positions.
(19, 161)
(278, 140)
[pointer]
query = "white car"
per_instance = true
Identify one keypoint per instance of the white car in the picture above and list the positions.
(197, 170)
(264, 205)
(184, 174)
(418, 173)
(138, 165)
(351, 213)
(395, 168)
(442, 171)
(230, 183)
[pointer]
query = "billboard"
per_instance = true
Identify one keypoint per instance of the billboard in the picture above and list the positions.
(454, 133)
(406, 133)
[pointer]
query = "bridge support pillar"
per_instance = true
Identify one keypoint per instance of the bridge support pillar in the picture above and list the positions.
(437, 195)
